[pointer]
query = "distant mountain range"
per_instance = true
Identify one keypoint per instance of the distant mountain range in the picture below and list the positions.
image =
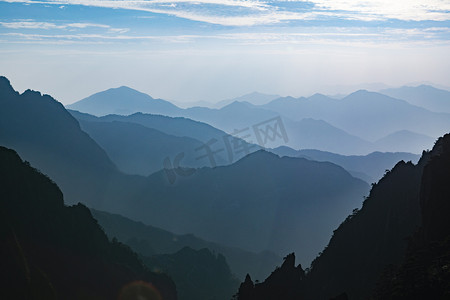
(242, 120)
(254, 98)
(209, 202)
(425, 96)
(362, 122)
(365, 114)
(137, 146)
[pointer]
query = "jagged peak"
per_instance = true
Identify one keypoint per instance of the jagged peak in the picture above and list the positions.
(6, 87)
(248, 279)
(441, 146)
(29, 92)
(5, 82)
(289, 261)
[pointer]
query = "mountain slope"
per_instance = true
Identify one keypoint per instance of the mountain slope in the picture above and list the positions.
(369, 167)
(140, 143)
(51, 251)
(286, 282)
(317, 134)
(45, 134)
(140, 150)
(122, 101)
(424, 273)
(370, 239)
(177, 126)
(198, 274)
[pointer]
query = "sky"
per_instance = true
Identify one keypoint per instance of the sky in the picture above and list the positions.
(210, 50)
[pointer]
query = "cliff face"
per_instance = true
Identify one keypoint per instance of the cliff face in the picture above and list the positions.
(370, 238)
(52, 251)
(425, 272)
(284, 283)
(396, 247)
(435, 192)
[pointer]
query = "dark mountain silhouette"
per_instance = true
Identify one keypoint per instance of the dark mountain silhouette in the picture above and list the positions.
(369, 239)
(45, 134)
(425, 274)
(425, 96)
(375, 114)
(365, 114)
(198, 274)
(360, 260)
(256, 204)
(369, 168)
(148, 240)
(52, 251)
(123, 101)
(404, 140)
(284, 283)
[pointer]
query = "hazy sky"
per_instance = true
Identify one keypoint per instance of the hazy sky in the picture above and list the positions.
(217, 49)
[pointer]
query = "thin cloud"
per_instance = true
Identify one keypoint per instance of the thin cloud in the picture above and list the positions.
(31, 24)
(253, 12)
(339, 36)
(405, 10)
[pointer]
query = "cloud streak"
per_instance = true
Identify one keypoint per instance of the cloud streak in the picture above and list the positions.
(254, 12)
(31, 24)
(338, 36)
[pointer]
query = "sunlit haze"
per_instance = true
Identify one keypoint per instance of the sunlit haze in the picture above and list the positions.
(220, 49)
